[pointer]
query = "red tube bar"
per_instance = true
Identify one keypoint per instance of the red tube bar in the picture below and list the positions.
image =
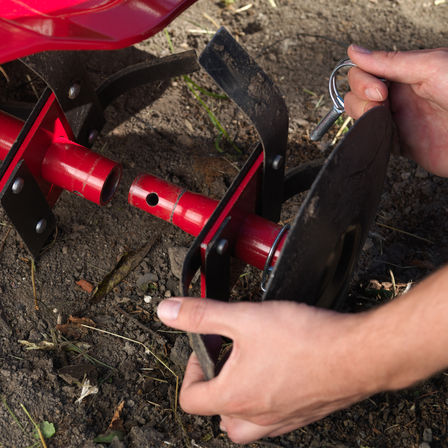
(81, 171)
(190, 211)
(67, 164)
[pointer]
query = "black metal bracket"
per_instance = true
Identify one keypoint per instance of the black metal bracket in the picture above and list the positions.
(64, 73)
(217, 264)
(26, 207)
(136, 75)
(254, 93)
(326, 238)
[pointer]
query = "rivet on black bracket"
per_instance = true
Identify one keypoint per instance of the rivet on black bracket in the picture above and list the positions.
(26, 207)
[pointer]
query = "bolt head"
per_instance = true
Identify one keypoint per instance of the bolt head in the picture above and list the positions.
(41, 226)
(222, 246)
(74, 91)
(93, 134)
(277, 162)
(17, 185)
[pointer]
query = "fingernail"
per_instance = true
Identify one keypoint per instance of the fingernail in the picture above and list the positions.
(374, 94)
(362, 50)
(168, 310)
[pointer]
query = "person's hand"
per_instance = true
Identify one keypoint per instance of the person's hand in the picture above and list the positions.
(290, 365)
(417, 94)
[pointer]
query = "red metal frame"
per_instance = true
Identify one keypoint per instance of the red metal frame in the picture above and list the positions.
(30, 26)
(55, 161)
(253, 236)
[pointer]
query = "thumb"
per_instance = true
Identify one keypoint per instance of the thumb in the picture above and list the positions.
(203, 316)
(408, 67)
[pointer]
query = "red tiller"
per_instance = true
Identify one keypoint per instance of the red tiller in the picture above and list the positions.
(56, 161)
(254, 235)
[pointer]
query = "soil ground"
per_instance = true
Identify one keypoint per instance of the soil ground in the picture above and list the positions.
(163, 130)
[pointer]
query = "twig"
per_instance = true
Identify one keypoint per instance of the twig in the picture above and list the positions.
(36, 426)
(394, 285)
(33, 281)
(405, 233)
(2, 70)
(243, 8)
(144, 327)
(341, 130)
(211, 19)
(148, 350)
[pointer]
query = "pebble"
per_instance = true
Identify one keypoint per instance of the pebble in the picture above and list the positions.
(147, 299)
(427, 435)
(421, 173)
(167, 294)
(176, 256)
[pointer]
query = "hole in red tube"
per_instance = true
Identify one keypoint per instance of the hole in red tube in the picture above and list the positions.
(152, 199)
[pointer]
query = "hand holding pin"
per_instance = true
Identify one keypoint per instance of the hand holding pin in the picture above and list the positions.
(338, 103)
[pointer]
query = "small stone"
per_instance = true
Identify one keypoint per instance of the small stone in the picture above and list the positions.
(145, 280)
(427, 435)
(421, 173)
(368, 244)
(64, 250)
(180, 352)
(147, 299)
(302, 122)
(167, 294)
(116, 443)
(185, 140)
(177, 256)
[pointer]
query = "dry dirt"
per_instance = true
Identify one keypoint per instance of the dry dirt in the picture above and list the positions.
(163, 130)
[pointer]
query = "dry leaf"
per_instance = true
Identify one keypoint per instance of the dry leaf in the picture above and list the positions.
(116, 423)
(85, 285)
(124, 267)
(73, 329)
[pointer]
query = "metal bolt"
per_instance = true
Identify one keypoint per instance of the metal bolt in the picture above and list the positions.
(93, 134)
(74, 91)
(17, 185)
(277, 162)
(41, 226)
(222, 246)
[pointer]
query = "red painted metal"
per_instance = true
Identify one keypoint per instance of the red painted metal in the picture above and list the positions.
(55, 161)
(81, 171)
(253, 235)
(30, 26)
(184, 209)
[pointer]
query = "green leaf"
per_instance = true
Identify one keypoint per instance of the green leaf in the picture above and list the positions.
(47, 429)
(108, 436)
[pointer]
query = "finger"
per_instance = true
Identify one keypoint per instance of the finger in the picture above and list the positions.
(408, 67)
(203, 316)
(193, 372)
(365, 86)
(243, 431)
(198, 396)
(355, 106)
